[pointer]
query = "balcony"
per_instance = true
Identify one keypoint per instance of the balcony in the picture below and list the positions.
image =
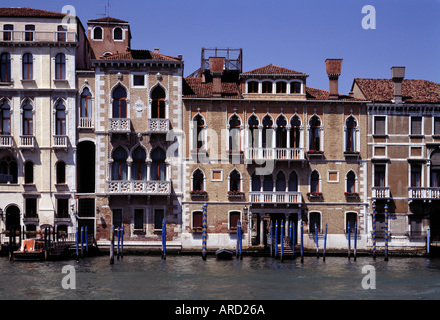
(279, 154)
(60, 141)
(85, 123)
(28, 36)
(119, 125)
(424, 193)
(158, 126)
(275, 197)
(147, 188)
(27, 142)
(381, 193)
(5, 141)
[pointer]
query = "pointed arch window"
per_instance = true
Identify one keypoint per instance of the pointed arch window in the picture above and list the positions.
(158, 165)
(351, 182)
(234, 134)
(234, 181)
(198, 136)
(5, 114)
(158, 105)
(293, 182)
(281, 138)
(350, 134)
(268, 183)
(281, 181)
(139, 167)
(5, 67)
(314, 182)
(314, 134)
(267, 132)
(28, 66)
(119, 167)
(60, 66)
(8, 170)
(28, 119)
(256, 182)
(85, 112)
(198, 181)
(253, 131)
(295, 132)
(60, 115)
(120, 103)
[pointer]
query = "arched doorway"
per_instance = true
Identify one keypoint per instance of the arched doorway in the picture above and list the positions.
(12, 217)
(86, 167)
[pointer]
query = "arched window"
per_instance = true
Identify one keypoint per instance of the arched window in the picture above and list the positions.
(86, 104)
(295, 132)
(267, 132)
(295, 87)
(252, 87)
(158, 105)
(281, 181)
(281, 137)
(281, 87)
(97, 33)
(256, 182)
(351, 182)
(5, 115)
(119, 167)
(234, 134)
(199, 125)
(28, 119)
(5, 67)
(314, 134)
(253, 131)
(158, 166)
(350, 134)
(8, 170)
(139, 167)
(120, 103)
(60, 66)
(267, 87)
(234, 181)
(28, 172)
(198, 179)
(61, 172)
(60, 114)
(293, 182)
(28, 66)
(314, 181)
(268, 183)
(117, 33)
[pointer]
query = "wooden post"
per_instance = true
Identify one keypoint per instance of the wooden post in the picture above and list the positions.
(355, 240)
(82, 242)
(386, 232)
(348, 232)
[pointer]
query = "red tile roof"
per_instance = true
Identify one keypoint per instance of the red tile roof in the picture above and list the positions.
(272, 69)
(318, 94)
(29, 12)
(413, 91)
(140, 55)
(108, 19)
(195, 88)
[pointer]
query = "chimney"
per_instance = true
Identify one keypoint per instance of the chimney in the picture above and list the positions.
(397, 74)
(216, 65)
(333, 67)
(156, 50)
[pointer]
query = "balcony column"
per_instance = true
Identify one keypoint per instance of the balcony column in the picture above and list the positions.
(286, 224)
(288, 136)
(260, 142)
(261, 228)
(274, 136)
(148, 162)
(129, 164)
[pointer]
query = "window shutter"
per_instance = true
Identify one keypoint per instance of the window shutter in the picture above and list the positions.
(379, 125)
(416, 125)
(437, 125)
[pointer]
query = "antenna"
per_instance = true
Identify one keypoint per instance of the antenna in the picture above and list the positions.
(106, 10)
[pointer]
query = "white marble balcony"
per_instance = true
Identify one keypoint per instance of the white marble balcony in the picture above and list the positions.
(147, 188)
(158, 126)
(279, 154)
(5, 141)
(415, 193)
(275, 197)
(119, 125)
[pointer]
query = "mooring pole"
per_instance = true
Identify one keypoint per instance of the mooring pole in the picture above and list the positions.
(112, 245)
(325, 242)
(355, 240)
(348, 233)
(82, 242)
(240, 240)
(386, 232)
(122, 242)
(293, 239)
(76, 240)
(282, 241)
(87, 241)
(271, 239)
(317, 244)
(276, 238)
(302, 245)
(164, 239)
(119, 241)
(204, 232)
(374, 231)
(427, 241)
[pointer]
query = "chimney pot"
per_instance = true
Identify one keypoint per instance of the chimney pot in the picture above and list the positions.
(397, 75)
(216, 65)
(156, 50)
(333, 67)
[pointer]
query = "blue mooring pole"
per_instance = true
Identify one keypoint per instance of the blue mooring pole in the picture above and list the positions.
(355, 240)
(325, 242)
(282, 241)
(87, 241)
(239, 238)
(118, 232)
(428, 240)
(112, 244)
(82, 242)
(348, 233)
(276, 239)
(164, 239)
(271, 239)
(302, 245)
(386, 232)
(77, 255)
(204, 232)
(374, 231)
(317, 244)
(122, 242)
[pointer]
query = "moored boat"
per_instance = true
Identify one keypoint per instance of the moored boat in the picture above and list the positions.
(30, 250)
(224, 254)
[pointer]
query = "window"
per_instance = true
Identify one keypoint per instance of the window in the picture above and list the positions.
(281, 133)
(416, 175)
(28, 66)
(416, 125)
(63, 208)
(293, 182)
(198, 179)
(267, 132)
(117, 218)
(60, 66)
(295, 132)
(117, 34)
(199, 124)
(120, 103)
(62, 33)
(8, 170)
(5, 67)
(139, 167)
(139, 80)
(60, 115)
(350, 134)
(234, 217)
(281, 87)
(234, 133)
(436, 126)
(379, 125)
(28, 172)
(119, 166)
(61, 172)
(351, 217)
(315, 220)
(158, 218)
(253, 131)
(138, 219)
(28, 119)
(295, 87)
(256, 182)
(267, 87)
(158, 166)
(29, 35)
(252, 87)
(197, 219)
(379, 175)
(158, 104)
(234, 181)
(351, 182)
(86, 208)
(281, 182)
(85, 108)
(7, 32)
(268, 183)
(31, 208)
(97, 33)
(5, 115)
(314, 182)
(315, 127)
(435, 170)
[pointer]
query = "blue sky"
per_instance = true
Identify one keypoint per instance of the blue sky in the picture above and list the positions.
(294, 34)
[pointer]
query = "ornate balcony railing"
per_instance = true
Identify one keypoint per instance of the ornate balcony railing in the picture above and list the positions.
(27, 141)
(286, 154)
(158, 125)
(139, 187)
(381, 192)
(60, 141)
(5, 141)
(85, 122)
(119, 125)
(38, 36)
(424, 193)
(275, 197)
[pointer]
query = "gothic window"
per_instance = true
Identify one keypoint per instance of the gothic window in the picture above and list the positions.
(295, 132)
(120, 103)
(267, 131)
(351, 182)
(198, 179)
(350, 134)
(314, 182)
(281, 137)
(253, 131)
(158, 105)
(314, 134)
(234, 181)
(139, 167)
(5, 115)
(119, 166)
(60, 66)
(158, 166)
(28, 119)
(234, 134)
(199, 124)
(293, 182)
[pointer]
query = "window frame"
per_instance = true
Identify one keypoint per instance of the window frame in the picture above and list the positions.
(27, 66)
(60, 66)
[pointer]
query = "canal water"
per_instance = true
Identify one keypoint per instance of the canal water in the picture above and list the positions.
(192, 278)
